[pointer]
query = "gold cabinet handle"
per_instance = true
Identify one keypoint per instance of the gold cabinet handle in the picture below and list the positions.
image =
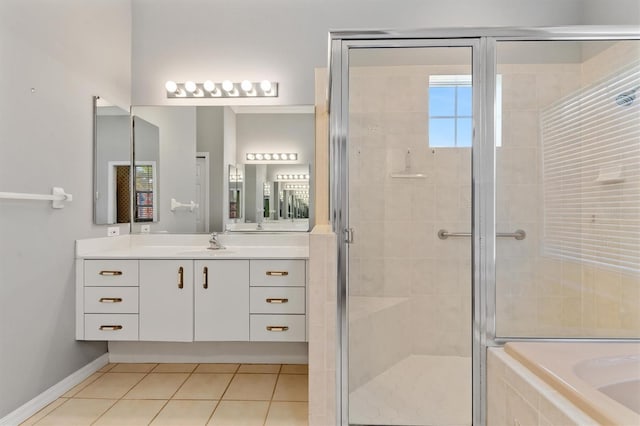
(181, 277)
(110, 273)
(277, 273)
(273, 300)
(277, 328)
(110, 327)
(110, 299)
(205, 278)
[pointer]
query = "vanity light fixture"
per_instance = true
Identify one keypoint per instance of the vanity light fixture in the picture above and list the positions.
(292, 177)
(253, 156)
(225, 89)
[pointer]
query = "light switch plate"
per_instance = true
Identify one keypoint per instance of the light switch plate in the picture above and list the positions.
(112, 231)
(145, 229)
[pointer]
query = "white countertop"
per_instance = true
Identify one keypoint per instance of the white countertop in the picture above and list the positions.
(194, 246)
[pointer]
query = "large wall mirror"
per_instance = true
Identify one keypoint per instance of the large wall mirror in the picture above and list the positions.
(215, 169)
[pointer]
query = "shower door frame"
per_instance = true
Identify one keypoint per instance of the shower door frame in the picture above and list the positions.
(483, 44)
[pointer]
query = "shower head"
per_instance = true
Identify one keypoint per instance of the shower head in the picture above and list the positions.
(627, 98)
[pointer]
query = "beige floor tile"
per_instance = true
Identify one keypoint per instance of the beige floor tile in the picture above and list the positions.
(288, 414)
(251, 387)
(133, 368)
(77, 388)
(240, 413)
(204, 386)
(157, 386)
(131, 412)
(107, 368)
(77, 412)
(295, 369)
(46, 410)
(185, 413)
(110, 385)
(174, 368)
(292, 387)
(217, 368)
(259, 368)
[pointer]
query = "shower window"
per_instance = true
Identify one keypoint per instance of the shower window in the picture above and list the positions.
(450, 115)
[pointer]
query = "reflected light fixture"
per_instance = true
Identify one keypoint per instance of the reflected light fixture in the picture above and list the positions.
(224, 89)
(298, 177)
(253, 156)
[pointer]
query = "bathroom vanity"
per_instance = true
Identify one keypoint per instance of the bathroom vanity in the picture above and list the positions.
(171, 288)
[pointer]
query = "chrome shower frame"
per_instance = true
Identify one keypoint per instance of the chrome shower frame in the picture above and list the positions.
(483, 42)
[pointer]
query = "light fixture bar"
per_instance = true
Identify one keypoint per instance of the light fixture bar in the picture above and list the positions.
(224, 89)
(292, 176)
(268, 156)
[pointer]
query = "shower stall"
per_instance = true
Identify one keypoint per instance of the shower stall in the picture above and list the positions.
(485, 188)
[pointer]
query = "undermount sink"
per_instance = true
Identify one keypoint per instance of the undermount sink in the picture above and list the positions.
(206, 252)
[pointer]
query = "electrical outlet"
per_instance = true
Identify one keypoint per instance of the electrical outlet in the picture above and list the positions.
(112, 231)
(145, 229)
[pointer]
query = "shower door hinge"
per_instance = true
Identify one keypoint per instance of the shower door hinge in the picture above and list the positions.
(348, 235)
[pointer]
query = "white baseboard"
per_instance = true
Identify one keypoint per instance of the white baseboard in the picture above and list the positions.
(31, 407)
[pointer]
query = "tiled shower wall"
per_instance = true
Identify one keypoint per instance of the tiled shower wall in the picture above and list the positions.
(541, 295)
(397, 255)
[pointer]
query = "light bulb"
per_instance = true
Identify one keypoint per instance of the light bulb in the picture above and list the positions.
(276, 156)
(209, 86)
(246, 85)
(227, 85)
(251, 156)
(293, 156)
(190, 86)
(259, 157)
(265, 85)
(267, 156)
(171, 86)
(306, 176)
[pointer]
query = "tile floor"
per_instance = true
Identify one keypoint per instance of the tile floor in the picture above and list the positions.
(184, 395)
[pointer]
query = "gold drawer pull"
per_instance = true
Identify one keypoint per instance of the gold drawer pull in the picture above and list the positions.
(110, 299)
(181, 277)
(277, 273)
(277, 328)
(110, 273)
(111, 327)
(277, 300)
(205, 277)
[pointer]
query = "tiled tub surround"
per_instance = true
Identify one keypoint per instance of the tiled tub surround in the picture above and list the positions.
(184, 394)
(563, 384)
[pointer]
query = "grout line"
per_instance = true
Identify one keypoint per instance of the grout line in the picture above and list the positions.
(117, 399)
(222, 394)
(174, 394)
(271, 400)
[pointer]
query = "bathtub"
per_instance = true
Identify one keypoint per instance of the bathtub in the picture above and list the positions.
(601, 379)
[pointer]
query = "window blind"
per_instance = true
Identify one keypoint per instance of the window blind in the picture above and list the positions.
(591, 173)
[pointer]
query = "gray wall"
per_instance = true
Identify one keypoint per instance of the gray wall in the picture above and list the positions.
(284, 41)
(68, 51)
(210, 135)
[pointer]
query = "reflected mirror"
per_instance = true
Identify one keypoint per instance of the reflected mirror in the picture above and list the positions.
(111, 164)
(146, 149)
(208, 177)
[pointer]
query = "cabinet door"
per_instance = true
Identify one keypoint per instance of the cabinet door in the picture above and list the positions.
(222, 300)
(166, 300)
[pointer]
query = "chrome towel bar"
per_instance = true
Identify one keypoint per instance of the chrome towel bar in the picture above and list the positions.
(519, 234)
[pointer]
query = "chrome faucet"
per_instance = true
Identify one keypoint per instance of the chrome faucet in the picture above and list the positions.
(214, 244)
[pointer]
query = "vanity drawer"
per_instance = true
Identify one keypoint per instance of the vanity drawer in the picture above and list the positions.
(110, 272)
(277, 300)
(277, 328)
(111, 300)
(111, 327)
(276, 272)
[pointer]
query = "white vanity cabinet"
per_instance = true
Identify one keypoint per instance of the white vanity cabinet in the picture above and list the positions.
(166, 300)
(185, 299)
(108, 300)
(278, 300)
(221, 300)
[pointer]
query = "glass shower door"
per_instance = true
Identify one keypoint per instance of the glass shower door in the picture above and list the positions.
(409, 291)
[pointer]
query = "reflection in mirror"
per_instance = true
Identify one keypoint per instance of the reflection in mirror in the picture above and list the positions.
(112, 163)
(198, 144)
(146, 145)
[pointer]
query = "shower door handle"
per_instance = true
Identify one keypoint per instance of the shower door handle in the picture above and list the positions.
(519, 234)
